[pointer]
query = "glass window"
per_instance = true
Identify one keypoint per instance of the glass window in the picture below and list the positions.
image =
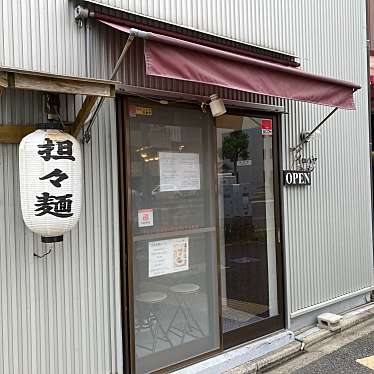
(176, 314)
(246, 221)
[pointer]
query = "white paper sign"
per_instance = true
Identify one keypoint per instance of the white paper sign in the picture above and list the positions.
(168, 256)
(179, 171)
(145, 217)
(244, 163)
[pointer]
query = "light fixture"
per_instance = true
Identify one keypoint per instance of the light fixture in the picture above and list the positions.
(216, 106)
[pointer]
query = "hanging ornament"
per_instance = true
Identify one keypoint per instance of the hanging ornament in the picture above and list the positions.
(50, 182)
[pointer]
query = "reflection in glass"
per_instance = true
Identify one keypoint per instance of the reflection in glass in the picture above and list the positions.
(173, 235)
(246, 217)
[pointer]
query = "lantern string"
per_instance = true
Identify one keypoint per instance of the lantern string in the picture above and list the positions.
(45, 254)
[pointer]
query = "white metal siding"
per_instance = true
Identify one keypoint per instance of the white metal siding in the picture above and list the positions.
(41, 35)
(328, 239)
(328, 225)
(61, 314)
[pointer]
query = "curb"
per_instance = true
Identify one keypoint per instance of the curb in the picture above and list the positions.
(303, 341)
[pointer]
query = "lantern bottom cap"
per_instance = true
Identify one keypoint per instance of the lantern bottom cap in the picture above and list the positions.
(52, 239)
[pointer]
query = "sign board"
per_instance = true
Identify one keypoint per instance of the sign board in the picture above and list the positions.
(296, 178)
(244, 163)
(179, 171)
(167, 256)
(267, 127)
(145, 217)
(139, 111)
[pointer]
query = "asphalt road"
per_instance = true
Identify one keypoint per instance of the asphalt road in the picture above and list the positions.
(343, 361)
(337, 354)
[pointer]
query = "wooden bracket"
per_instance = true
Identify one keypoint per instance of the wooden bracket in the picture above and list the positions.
(62, 85)
(83, 114)
(47, 82)
(3, 79)
(13, 134)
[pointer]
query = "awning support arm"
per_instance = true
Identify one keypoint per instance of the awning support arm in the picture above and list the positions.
(87, 133)
(90, 101)
(305, 140)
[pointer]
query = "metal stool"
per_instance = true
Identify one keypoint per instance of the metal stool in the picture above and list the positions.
(150, 319)
(181, 292)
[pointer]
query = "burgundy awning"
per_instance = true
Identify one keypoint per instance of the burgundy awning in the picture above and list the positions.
(179, 59)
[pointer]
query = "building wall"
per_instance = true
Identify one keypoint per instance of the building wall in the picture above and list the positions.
(325, 258)
(41, 35)
(61, 314)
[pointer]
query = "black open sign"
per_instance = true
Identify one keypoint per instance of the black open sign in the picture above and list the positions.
(296, 178)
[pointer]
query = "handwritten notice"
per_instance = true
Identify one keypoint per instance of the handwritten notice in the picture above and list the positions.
(167, 256)
(179, 171)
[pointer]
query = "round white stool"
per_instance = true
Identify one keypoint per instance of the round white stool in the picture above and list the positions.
(181, 292)
(151, 303)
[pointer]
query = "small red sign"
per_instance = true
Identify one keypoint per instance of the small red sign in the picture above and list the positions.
(267, 127)
(132, 111)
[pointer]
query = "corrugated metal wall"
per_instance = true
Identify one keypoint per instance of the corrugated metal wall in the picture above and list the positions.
(61, 314)
(326, 258)
(41, 35)
(328, 226)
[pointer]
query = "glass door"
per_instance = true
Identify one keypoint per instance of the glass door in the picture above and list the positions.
(251, 270)
(172, 249)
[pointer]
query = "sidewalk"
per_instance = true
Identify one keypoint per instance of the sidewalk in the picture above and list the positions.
(337, 354)
(312, 345)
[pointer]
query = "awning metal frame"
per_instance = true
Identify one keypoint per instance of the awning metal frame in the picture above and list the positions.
(297, 151)
(307, 138)
(89, 103)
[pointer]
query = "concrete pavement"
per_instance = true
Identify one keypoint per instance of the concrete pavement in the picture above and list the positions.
(337, 354)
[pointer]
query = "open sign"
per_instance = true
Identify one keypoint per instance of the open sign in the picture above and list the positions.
(296, 178)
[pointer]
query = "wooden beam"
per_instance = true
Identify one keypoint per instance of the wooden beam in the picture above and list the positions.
(83, 114)
(3, 79)
(26, 81)
(13, 134)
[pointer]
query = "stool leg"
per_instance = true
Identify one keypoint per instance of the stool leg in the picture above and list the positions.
(165, 334)
(154, 331)
(171, 324)
(158, 326)
(189, 312)
(186, 323)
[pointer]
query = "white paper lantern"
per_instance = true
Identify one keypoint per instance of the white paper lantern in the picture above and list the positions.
(50, 182)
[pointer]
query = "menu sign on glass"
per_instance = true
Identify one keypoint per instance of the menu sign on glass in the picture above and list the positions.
(168, 256)
(179, 171)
